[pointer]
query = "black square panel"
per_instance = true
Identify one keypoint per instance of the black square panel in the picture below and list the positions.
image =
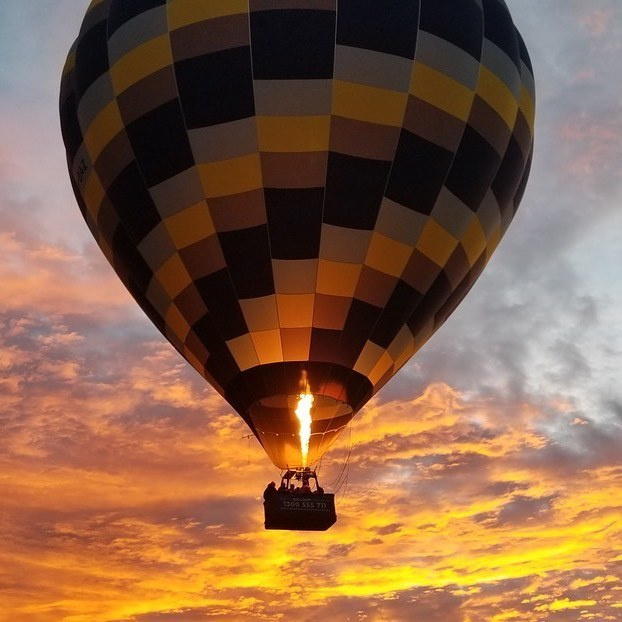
(522, 49)
(418, 172)
(324, 344)
(107, 221)
(216, 88)
(358, 390)
(72, 133)
(138, 294)
(190, 304)
(135, 208)
(222, 303)
(459, 23)
(457, 265)
(207, 331)
(91, 57)
(82, 204)
(398, 309)
(293, 44)
(251, 385)
(354, 190)
(389, 26)
(523, 182)
(508, 177)
(247, 253)
(499, 28)
(434, 299)
(273, 377)
(240, 394)
(128, 262)
(294, 221)
(462, 289)
(359, 325)
(160, 142)
(473, 169)
(221, 364)
(122, 11)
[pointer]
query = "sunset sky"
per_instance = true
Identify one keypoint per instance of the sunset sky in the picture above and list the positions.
(484, 483)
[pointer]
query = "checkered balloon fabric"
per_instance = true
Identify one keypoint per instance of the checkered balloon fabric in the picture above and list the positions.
(298, 193)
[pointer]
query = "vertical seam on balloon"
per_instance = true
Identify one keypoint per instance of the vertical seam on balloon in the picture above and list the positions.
(449, 168)
(483, 13)
(120, 225)
(129, 283)
(519, 74)
(317, 273)
(524, 69)
(183, 116)
(263, 185)
(328, 375)
(380, 316)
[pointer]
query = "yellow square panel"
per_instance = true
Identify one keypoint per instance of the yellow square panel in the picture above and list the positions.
(297, 134)
(296, 343)
(141, 62)
(436, 243)
(184, 12)
(268, 346)
(497, 95)
(473, 241)
(493, 242)
(70, 63)
(176, 324)
(383, 365)
(260, 313)
(528, 108)
(295, 310)
(294, 276)
(190, 225)
(106, 125)
(441, 91)
(368, 358)
(337, 279)
(243, 351)
(387, 255)
(402, 347)
(232, 176)
(367, 103)
(173, 276)
(93, 194)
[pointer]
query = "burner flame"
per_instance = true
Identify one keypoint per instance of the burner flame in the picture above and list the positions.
(303, 412)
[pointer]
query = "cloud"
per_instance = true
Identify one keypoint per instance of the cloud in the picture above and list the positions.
(136, 485)
(481, 484)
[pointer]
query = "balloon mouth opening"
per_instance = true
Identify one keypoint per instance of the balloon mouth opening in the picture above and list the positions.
(297, 440)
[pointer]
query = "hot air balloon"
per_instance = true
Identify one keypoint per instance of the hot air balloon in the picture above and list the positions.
(298, 194)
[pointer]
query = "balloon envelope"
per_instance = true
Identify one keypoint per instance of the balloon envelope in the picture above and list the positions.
(298, 194)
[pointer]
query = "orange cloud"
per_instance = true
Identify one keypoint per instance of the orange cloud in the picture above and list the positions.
(597, 21)
(140, 501)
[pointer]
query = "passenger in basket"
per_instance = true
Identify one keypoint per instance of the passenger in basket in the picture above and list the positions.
(270, 491)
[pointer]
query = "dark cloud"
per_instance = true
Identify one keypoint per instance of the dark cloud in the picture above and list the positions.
(518, 511)
(388, 529)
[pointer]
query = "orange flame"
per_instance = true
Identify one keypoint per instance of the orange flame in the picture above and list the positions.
(303, 412)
